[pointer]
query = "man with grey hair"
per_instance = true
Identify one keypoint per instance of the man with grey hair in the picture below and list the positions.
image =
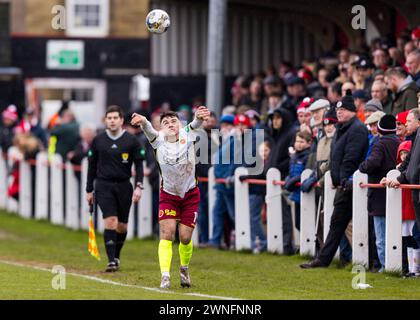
(380, 92)
(413, 65)
(404, 88)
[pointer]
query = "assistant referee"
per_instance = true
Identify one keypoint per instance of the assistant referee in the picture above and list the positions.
(110, 163)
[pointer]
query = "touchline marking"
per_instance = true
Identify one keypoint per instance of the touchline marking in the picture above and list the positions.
(93, 278)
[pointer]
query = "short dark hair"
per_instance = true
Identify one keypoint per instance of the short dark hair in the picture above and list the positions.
(168, 114)
(305, 135)
(114, 108)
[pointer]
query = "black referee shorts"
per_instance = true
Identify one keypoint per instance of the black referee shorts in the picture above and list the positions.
(114, 198)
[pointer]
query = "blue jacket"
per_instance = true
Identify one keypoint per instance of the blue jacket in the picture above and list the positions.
(225, 165)
(297, 166)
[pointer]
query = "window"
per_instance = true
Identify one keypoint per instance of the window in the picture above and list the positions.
(89, 18)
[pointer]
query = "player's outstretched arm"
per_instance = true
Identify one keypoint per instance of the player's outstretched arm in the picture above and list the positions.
(201, 115)
(149, 131)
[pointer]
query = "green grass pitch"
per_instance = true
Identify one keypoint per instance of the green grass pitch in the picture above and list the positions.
(215, 274)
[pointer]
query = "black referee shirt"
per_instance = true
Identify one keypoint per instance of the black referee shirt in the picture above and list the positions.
(112, 159)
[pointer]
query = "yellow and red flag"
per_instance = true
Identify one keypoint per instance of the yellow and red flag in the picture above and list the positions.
(92, 246)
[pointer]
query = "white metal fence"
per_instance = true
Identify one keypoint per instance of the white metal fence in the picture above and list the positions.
(49, 204)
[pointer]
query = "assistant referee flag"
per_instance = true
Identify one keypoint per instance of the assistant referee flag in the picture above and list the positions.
(92, 246)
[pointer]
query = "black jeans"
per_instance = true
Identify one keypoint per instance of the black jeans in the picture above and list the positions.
(342, 214)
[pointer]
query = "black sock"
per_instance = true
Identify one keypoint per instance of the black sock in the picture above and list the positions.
(110, 238)
(120, 242)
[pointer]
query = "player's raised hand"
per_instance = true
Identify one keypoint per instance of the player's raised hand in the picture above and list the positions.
(137, 119)
(202, 113)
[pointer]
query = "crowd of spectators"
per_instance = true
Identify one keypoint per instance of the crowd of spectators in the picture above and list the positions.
(352, 111)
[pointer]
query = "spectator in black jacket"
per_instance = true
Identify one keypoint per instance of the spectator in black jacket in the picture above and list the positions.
(281, 135)
(380, 161)
(349, 148)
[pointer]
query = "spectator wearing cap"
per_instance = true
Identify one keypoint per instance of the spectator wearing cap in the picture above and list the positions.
(380, 92)
(372, 106)
(412, 124)
(303, 113)
(413, 65)
(360, 99)
(272, 84)
(281, 135)
(362, 76)
(348, 150)
(404, 88)
(401, 120)
(318, 109)
(9, 120)
(31, 124)
(415, 36)
(226, 125)
(372, 124)
(295, 93)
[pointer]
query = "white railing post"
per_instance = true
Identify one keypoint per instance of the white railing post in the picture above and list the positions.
(307, 218)
(329, 195)
(360, 220)
(72, 198)
(242, 216)
(211, 199)
(145, 214)
(25, 189)
(393, 240)
(3, 182)
(84, 208)
(274, 213)
(41, 186)
(57, 216)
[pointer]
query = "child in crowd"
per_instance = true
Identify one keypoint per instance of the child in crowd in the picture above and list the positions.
(298, 161)
(411, 252)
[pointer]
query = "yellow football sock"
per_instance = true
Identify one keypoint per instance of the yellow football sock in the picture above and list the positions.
(165, 255)
(185, 253)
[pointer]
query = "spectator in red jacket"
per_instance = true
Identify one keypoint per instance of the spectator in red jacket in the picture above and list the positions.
(410, 247)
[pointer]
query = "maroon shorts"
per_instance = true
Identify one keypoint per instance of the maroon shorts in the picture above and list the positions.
(185, 210)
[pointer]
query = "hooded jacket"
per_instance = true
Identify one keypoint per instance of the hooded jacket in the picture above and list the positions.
(281, 140)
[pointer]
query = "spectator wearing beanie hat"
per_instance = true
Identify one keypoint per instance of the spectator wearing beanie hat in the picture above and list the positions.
(372, 106)
(372, 124)
(401, 120)
(348, 150)
(381, 160)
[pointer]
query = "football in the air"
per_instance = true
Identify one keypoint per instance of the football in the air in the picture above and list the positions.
(158, 21)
